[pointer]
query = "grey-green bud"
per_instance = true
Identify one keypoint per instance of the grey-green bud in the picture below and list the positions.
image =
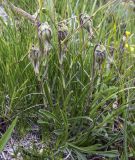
(62, 31)
(100, 53)
(86, 22)
(34, 56)
(45, 32)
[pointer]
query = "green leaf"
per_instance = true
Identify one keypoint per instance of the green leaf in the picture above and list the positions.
(80, 156)
(65, 125)
(49, 115)
(94, 149)
(80, 117)
(48, 94)
(7, 135)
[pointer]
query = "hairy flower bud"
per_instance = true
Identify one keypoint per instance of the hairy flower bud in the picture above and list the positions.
(62, 31)
(45, 35)
(45, 31)
(62, 34)
(86, 22)
(34, 56)
(100, 54)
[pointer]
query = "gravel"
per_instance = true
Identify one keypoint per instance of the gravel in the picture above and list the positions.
(13, 149)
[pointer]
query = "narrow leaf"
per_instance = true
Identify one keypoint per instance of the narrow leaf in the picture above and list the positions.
(7, 135)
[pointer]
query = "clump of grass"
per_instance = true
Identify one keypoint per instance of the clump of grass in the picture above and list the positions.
(85, 101)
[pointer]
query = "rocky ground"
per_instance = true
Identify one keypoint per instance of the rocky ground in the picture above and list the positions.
(12, 149)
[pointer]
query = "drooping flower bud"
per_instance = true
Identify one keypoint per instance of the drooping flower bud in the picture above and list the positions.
(100, 54)
(34, 56)
(45, 31)
(45, 35)
(62, 30)
(86, 22)
(62, 34)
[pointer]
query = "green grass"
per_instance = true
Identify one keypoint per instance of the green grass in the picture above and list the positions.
(79, 116)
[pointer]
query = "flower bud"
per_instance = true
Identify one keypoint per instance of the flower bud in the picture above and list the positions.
(86, 22)
(62, 34)
(62, 31)
(34, 56)
(45, 31)
(45, 35)
(100, 54)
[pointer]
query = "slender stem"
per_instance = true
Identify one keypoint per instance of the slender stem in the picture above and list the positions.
(92, 72)
(125, 130)
(19, 11)
(41, 89)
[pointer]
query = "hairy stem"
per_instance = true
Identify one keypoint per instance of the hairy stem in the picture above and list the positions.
(19, 11)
